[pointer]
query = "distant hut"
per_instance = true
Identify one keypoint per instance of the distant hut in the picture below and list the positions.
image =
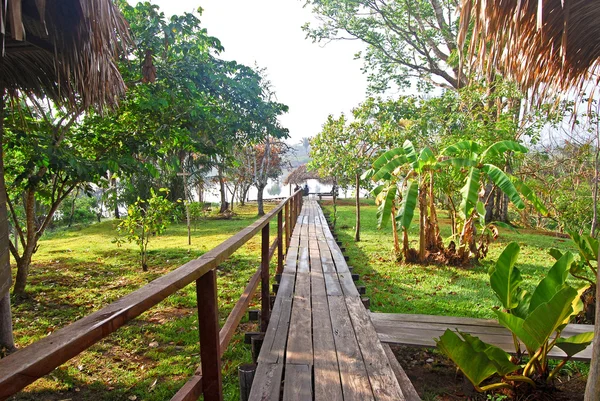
(301, 174)
(65, 50)
(548, 47)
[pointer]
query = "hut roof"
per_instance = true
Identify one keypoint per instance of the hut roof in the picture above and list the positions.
(545, 45)
(63, 49)
(301, 174)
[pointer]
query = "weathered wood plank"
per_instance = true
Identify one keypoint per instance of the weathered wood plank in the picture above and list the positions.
(300, 346)
(273, 347)
(332, 284)
(328, 386)
(298, 383)
(408, 390)
(353, 374)
(382, 378)
(267, 382)
(347, 284)
(421, 330)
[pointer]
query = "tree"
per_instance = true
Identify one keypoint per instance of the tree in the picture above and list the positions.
(405, 39)
(344, 150)
(268, 162)
(144, 219)
(305, 142)
(58, 65)
(48, 157)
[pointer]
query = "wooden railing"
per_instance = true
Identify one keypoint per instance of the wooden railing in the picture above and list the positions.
(40, 358)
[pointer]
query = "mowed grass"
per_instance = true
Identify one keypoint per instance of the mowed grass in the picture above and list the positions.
(435, 289)
(78, 271)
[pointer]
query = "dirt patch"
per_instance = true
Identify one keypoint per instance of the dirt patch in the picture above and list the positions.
(436, 378)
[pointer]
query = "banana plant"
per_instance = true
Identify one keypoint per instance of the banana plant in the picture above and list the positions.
(588, 257)
(584, 269)
(414, 173)
(477, 161)
(404, 173)
(535, 320)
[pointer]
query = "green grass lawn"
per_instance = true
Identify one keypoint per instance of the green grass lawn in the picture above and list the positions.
(78, 271)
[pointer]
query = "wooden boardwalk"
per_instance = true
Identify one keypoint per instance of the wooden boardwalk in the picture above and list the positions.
(320, 342)
(420, 330)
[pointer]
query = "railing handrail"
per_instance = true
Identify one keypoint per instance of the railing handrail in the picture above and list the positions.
(40, 358)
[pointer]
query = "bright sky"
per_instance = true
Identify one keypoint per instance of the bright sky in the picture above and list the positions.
(312, 79)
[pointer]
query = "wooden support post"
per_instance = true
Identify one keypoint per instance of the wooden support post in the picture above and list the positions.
(288, 232)
(279, 242)
(208, 325)
(264, 283)
(246, 376)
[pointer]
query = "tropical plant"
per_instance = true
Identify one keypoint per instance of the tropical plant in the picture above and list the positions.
(416, 172)
(536, 320)
(584, 269)
(144, 219)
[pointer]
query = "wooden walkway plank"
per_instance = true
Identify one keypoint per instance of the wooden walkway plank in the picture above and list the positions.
(298, 383)
(421, 330)
(328, 385)
(382, 377)
(299, 349)
(267, 382)
(408, 390)
(355, 381)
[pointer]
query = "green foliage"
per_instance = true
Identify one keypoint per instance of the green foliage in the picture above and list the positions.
(402, 165)
(76, 209)
(585, 267)
(477, 360)
(144, 219)
(537, 320)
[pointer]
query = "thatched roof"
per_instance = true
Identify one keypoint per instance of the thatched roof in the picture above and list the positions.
(301, 174)
(64, 49)
(543, 45)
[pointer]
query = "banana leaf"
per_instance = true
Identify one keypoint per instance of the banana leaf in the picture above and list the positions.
(384, 211)
(470, 192)
(500, 178)
(505, 278)
(456, 149)
(476, 360)
(409, 204)
(529, 195)
(575, 344)
(553, 282)
(500, 147)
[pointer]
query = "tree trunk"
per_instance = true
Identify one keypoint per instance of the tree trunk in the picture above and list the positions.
(357, 232)
(113, 183)
(244, 194)
(6, 328)
(222, 191)
(72, 214)
(259, 199)
(23, 264)
(592, 388)
(7, 342)
(397, 250)
(200, 193)
(595, 186)
(422, 222)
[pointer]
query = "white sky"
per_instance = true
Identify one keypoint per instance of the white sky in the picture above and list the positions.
(312, 79)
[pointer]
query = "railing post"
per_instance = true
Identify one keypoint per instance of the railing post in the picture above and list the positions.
(288, 232)
(280, 242)
(208, 325)
(264, 282)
